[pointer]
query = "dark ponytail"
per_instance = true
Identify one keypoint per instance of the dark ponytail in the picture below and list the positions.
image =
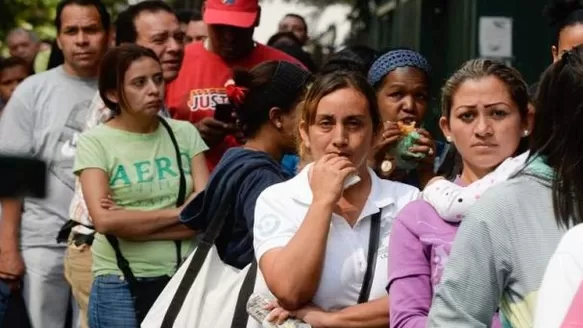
(245, 79)
(270, 84)
(557, 133)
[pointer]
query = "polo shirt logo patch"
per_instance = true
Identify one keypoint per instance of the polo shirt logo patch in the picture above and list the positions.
(206, 99)
(267, 226)
(229, 2)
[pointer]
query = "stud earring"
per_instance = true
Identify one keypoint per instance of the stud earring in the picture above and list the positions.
(525, 133)
(448, 139)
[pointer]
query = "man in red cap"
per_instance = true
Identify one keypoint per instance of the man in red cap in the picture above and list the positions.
(207, 66)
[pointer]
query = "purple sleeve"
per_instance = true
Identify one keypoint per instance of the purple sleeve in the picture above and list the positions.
(496, 321)
(409, 285)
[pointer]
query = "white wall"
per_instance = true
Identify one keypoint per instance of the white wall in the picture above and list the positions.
(318, 20)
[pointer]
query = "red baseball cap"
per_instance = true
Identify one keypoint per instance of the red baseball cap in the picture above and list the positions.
(239, 13)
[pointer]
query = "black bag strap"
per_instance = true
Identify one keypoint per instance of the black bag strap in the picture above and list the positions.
(200, 254)
(65, 231)
(241, 317)
(194, 266)
(182, 187)
(122, 262)
(373, 248)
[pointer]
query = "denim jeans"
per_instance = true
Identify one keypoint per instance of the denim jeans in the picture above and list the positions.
(4, 297)
(111, 304)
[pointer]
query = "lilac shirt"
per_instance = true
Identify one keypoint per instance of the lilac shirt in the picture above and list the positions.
(419, 247)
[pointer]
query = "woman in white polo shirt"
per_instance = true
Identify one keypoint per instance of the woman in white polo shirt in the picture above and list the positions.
(312, 233)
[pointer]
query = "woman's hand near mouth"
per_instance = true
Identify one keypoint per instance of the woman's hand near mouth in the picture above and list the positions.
(328, 176)
(426, 145)
(389, 136)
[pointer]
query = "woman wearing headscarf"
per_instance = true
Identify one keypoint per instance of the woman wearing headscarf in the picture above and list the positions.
(405, 151)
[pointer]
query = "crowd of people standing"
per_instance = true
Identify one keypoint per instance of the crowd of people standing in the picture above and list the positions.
(355, 215)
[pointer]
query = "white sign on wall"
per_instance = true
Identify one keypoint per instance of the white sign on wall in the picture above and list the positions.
(495, 37)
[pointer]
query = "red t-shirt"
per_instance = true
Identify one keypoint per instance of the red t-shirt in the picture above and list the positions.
(200, 85)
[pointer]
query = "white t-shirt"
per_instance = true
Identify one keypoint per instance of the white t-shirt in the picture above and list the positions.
(281, 209)
(560, 298)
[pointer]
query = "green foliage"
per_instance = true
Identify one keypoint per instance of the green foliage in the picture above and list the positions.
(38, 15)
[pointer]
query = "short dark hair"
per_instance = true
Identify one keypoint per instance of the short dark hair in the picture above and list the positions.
(562, 14)
(300, 18)
(556, 136)
(13, 62)
(274, 39)
(187, 15)
(114, 66)
(296, 51)
(356, 58)
(103, 13)
(125, 28)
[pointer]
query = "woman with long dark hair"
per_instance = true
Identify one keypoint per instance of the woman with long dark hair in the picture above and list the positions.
(265, 100)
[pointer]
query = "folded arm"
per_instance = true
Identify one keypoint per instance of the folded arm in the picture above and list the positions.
(121, 223)
(371, 314)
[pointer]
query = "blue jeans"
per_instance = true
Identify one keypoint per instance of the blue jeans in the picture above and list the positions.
(4, 297)
(111, 304)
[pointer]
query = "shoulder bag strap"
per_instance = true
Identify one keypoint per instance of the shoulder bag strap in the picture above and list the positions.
(211, 232)
(122, 262)
(193, 269)
(373, 247)
(182, 186)
(240, 316)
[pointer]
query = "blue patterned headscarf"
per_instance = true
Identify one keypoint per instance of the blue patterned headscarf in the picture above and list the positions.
(395, 59)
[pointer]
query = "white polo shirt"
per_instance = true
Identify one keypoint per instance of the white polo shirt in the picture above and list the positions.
(281, 209)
